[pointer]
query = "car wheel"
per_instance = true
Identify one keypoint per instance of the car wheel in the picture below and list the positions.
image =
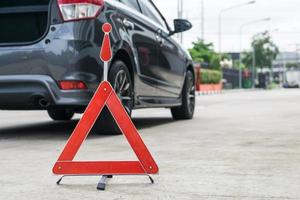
(121, 81)
(61, 115)
(186, 110)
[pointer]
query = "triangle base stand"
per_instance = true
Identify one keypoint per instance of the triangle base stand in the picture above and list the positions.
(103, 181)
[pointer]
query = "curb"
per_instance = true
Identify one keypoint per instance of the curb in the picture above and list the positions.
(204, 93)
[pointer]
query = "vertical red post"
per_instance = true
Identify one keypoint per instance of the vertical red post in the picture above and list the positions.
(106, 53)
(198, 76)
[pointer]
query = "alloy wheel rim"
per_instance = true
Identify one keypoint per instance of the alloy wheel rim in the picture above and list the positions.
(191, 94)
(123, 88)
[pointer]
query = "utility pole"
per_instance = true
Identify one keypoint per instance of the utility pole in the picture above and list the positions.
(241, 46)
(272, 68)
(253, 66)
(202, 19)
(226, 10)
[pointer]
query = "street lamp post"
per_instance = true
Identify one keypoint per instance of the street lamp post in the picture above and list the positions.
(179, 16)
(272, 69)
(253, 49)
(220, 19)
(253, 77)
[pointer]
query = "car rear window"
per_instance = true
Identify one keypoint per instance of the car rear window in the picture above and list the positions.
(132, 4)
(13, 3)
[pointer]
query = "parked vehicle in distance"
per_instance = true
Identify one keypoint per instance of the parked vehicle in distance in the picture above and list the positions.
(292, 79)
(49, 57)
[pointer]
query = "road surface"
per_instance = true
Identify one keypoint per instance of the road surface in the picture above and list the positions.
(240, 145)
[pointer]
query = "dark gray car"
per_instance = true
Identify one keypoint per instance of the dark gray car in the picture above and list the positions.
(49, 57)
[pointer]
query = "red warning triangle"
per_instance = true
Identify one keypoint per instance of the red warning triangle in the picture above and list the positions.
(105, 95)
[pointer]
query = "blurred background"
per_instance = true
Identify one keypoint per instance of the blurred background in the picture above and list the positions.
(253, 43)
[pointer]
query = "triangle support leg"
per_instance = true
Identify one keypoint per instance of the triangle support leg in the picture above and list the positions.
(151, 179)
(59, 180)
(102, 183)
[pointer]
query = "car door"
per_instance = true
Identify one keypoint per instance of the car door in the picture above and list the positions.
(171, 60)
(142, 37)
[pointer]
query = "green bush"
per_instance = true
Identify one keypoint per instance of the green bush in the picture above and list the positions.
(210, 76)
(272, 86)
(203, 52)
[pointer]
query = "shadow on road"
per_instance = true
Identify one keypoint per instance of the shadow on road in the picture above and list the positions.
(62, 130)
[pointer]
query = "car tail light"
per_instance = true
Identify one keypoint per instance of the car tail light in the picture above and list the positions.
(72, 85)
(79, 9)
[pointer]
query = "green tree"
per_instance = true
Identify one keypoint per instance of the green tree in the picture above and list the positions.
(204, 53)
(265, 51)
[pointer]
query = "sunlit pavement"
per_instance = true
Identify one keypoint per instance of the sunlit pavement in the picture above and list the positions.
(241, 145)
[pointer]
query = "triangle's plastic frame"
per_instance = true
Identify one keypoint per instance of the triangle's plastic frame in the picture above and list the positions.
(105, 95)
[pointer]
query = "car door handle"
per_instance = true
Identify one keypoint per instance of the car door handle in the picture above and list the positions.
(128, 24)
(159, 39)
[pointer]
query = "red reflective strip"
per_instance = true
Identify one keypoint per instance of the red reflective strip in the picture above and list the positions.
(126, 125)
(86, 123)
(95, 168)
(96, 2)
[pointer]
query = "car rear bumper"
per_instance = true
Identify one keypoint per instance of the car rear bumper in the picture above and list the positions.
(29, 73)
(26, 92)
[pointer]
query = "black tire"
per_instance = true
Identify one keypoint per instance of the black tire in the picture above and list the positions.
(61, 115)
(118, 73)
(186, 110)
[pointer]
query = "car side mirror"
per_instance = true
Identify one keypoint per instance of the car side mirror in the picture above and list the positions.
(181, 25)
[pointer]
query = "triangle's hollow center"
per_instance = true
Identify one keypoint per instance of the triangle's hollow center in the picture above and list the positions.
(110, 145)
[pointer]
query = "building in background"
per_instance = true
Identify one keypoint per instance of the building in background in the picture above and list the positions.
(285, 58)
(285, 61)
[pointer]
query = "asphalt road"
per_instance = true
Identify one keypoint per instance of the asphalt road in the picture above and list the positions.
(241, 145)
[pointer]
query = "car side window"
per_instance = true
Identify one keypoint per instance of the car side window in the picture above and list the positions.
(132, 4)
(150, 11)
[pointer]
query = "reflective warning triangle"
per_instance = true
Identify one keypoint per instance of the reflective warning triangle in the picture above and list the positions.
(105, 95)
